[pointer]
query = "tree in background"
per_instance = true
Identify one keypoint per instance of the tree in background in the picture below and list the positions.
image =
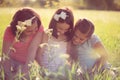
(79, 4)
(48, 3)
(10, 3)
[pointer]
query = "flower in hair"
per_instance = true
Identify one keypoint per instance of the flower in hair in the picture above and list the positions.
(62, 15)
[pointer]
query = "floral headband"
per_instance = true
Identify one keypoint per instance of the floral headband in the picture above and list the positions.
(62, 15)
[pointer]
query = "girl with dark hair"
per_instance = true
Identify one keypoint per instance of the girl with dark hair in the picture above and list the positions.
(88, 49)
(57, 44)
(24, 26)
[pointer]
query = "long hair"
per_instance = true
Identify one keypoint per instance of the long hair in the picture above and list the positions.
(69, 20)
(22, 15)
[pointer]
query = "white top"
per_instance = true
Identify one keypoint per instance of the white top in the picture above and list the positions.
(86, 55)
(52, 58)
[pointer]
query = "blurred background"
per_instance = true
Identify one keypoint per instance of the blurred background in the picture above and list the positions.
(105, 14)
(79, 4)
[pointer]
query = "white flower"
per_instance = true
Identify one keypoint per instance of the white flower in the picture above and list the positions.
(29, 21)
(20, 28)
(62, 15)
(12, 49)
(48, 31)
(79, 71)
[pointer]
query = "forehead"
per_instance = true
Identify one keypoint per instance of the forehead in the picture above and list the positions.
(62, 25)
(80, 34)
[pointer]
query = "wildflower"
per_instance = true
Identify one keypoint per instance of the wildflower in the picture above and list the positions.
(5, 56)
(79, 71)
(43, 44)
(12, 49)
(49, 32)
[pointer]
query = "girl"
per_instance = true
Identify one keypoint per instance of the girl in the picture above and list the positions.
(55, 42)
(24, 26)
(90, 52)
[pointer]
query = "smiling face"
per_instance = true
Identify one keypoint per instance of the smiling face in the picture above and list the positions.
(62, 28)
(79, 37)
(83, 30)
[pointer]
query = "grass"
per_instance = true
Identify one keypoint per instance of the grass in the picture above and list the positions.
(107, 27)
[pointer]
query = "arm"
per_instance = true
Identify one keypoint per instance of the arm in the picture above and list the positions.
(32, 51)
(8, 41)
(99, 48)
(34, 46)
(41, 48)
(5, 48)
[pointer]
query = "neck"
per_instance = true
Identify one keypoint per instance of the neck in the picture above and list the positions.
(24, 38)
(62, 38)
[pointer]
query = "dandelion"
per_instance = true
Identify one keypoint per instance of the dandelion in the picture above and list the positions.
(49, 32)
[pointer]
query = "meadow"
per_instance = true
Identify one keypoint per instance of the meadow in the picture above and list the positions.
(107, 27)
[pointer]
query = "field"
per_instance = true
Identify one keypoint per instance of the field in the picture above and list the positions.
(107, 27)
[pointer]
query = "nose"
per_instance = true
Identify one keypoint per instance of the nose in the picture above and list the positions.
(62, 31)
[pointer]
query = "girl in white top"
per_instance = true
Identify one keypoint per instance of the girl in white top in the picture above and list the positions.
(51, 53)
(88, 49)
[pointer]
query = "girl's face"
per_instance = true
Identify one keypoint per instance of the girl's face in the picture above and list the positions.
(31, 29)
(62, 28)
(79, 37)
